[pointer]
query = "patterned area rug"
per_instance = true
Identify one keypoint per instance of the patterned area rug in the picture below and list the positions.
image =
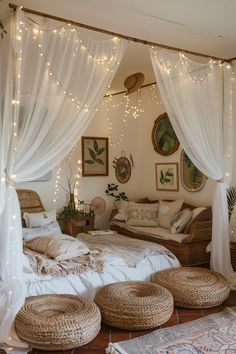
(211, 334)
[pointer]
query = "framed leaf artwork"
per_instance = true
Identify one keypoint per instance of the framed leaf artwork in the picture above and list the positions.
(164, 139)
(94, 156)
(192, 179)
(167, 176)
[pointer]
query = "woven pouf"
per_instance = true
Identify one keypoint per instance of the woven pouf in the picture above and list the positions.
(57, 322)
(194, 287)
(134, 305)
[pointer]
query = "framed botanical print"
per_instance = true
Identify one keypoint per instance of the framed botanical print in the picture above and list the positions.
(164, 139)
(193, 180)
(94, 156)
(167, 176)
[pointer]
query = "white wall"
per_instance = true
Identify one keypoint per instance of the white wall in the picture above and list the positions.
(137, 141)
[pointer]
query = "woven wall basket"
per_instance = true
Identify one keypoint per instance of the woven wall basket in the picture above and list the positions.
(134, 305)
(57, 322)
(194, 287)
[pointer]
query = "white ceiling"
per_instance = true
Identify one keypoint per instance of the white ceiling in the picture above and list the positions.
(205, 26)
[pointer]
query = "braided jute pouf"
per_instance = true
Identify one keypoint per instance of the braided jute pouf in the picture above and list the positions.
(134, 305)
(194, 287)
(57, 322)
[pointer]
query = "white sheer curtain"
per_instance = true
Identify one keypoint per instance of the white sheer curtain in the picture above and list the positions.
(56, 78)
(198, 100)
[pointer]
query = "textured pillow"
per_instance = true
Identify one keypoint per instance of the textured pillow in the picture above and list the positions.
(51, 229)
(199, 214)
(122, 206)
(39, 219)
(142, 214)
(167, 210)
(58, 247)
(180, 220)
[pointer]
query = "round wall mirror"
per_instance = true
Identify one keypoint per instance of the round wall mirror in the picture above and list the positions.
(192, 179)
(164, 139)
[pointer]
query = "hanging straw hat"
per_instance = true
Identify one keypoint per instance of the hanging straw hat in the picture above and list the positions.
(134, 82)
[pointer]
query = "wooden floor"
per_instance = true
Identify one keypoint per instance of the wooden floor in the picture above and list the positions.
(108, 334)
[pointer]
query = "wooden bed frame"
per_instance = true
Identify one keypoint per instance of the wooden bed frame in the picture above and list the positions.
(29, 202)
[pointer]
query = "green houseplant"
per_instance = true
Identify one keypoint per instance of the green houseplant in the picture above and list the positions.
(112, 191)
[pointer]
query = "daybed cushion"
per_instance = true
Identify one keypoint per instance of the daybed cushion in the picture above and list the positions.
(156, 232)
(58, 247)
(167, 210)
(142, 215)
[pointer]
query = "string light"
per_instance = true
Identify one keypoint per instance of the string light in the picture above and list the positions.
(131, 111)
(181, 57)
(76, 190)
(57, 82)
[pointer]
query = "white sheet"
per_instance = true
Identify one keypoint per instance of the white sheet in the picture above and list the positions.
(88, 283)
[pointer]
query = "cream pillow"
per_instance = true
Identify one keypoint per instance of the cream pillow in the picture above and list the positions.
(58, 247)
(180, 220)
(142, 214)
(39, 219)
(167, 210)
(122, 206)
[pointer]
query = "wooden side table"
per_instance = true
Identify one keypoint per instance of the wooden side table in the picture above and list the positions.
(78, 224)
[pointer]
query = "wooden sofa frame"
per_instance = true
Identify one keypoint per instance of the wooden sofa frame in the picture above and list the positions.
(192, 250)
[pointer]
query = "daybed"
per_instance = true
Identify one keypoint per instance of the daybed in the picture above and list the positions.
(189, 247)
(112, 258)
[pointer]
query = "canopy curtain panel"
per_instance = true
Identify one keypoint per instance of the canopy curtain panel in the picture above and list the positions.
(198, 100)
(56, 77)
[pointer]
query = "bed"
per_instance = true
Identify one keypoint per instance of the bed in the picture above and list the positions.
(121, 258)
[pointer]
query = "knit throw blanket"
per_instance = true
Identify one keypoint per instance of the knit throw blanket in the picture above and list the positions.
(127, 250)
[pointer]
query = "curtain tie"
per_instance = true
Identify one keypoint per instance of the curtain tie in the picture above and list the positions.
(8, 180)
(220, 180)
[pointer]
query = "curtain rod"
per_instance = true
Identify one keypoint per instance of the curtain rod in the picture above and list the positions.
(133, 39)
(120, 92)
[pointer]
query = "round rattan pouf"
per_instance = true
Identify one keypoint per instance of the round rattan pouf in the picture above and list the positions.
(134, 305)
(57, 322)
(194, 287)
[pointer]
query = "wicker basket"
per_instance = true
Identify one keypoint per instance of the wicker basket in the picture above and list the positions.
(57, 322)
(134, 305)
(194, 287)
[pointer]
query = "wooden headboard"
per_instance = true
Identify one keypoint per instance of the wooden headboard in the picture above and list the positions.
(29, 201)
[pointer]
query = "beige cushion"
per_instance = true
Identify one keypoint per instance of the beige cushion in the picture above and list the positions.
(180, 220)
(39, 219)
(58, 247)
(167, 210)
(122, 206)
(142, 214)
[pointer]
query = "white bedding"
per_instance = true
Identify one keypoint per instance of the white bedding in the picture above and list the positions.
(115, 269)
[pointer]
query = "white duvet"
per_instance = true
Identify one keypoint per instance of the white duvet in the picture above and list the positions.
(115, 267)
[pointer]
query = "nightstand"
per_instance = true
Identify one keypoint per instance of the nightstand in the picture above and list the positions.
(78, 224)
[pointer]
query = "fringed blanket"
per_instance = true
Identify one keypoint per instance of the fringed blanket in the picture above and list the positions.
(43, 265)
(128, 250)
